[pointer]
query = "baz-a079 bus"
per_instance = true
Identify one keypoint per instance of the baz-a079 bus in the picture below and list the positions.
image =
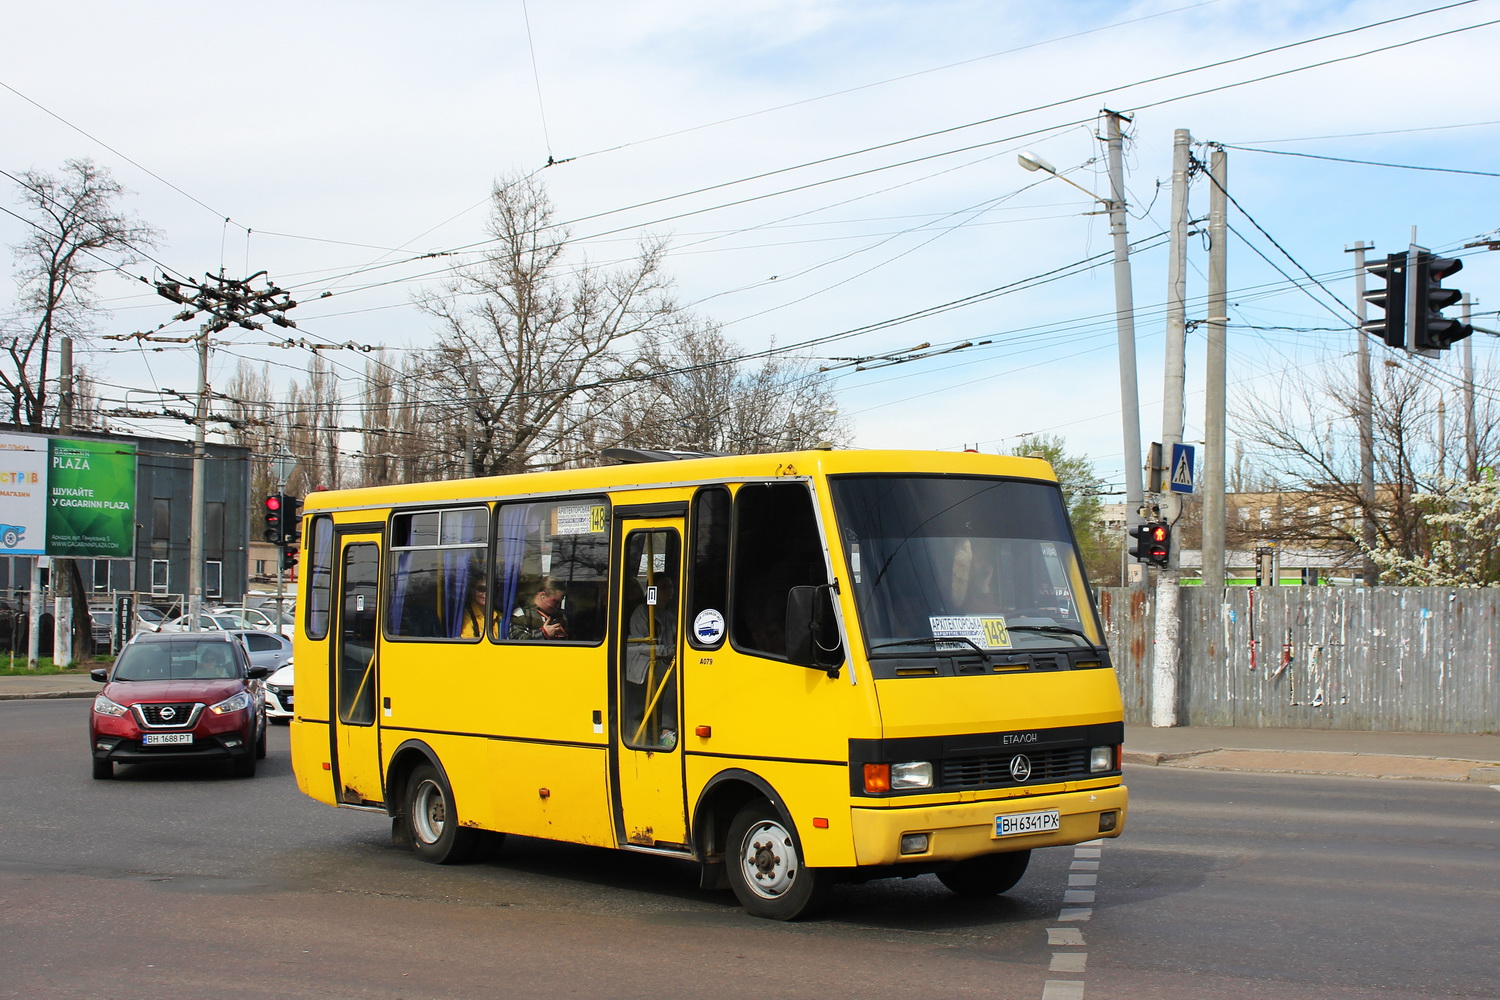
(795, 669)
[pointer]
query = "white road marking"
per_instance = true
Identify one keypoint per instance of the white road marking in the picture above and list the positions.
(1062, 989)
(1083, 879)
(1064, 936)
(1085, 852)
(1085, 866)
(1068, 961)
(1076, 913)
(1078, 896)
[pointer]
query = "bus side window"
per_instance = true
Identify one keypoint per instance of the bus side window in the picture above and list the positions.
(776, 548)
(551, 571)
(708, 570)
(437, 565)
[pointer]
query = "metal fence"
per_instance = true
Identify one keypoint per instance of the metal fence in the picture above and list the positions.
(1385, 659)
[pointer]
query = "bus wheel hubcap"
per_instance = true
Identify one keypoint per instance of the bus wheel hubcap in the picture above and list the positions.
(429, 812)
(769, 859)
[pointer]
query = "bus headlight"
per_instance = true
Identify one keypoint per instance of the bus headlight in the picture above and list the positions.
(1102, 759)
(913, 774)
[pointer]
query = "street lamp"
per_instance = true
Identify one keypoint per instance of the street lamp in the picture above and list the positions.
(1130, 405)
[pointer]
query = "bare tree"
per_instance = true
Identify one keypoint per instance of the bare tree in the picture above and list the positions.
(1307, 441)
(78, 231)
(528, 348)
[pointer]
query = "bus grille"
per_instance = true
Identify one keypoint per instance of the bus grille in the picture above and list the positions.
(994, 770)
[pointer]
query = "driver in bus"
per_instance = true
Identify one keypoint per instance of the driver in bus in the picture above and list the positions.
(545, 619)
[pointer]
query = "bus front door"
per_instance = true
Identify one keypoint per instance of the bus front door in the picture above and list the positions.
(356, 734)
(650, 809)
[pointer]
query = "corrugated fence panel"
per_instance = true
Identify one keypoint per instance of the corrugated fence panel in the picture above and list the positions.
(1412, 659)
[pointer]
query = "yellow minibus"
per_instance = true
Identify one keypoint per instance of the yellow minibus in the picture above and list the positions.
(794, 669)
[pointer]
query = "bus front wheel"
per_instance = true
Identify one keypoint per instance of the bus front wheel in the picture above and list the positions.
(765, 866)
(987, 875)
(432, 821)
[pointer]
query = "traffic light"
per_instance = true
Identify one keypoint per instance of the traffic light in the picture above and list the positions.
(288, 559)
(1159, 543)
(1153, 542)
(291, 520)
(274, 521)
(1391, 327)
(1432, 331)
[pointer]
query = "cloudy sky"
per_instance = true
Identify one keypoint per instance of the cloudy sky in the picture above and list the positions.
(819, 166)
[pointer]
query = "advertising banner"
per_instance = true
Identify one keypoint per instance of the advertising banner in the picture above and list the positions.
(23, 495)
(66, 497)
(90, 498)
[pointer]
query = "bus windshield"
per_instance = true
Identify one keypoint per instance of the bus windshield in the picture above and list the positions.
(962, 564)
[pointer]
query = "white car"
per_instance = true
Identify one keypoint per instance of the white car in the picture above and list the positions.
(264, 619)
(266, 649)
(206, 623)
(278, 689)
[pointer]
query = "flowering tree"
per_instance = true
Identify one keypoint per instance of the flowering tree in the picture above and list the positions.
(1463, 521)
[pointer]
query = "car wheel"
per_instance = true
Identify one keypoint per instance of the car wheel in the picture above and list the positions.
(765, 866)
(104, 769)
(260, 744)
(988, 875)
(432, 820)
(11, 538)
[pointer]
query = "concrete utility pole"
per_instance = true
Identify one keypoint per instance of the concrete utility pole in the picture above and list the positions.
(1366, 417)
(1130, 403)
(1214, 416)
(228, 302)
(1165, 659)
(1471, 438)
(62, 569)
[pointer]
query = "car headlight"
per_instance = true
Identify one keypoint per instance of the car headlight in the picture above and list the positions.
(234, 703)
(913, 774)
(104, 706)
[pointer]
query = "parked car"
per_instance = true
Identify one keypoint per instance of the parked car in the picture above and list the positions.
(279, 694)
(103, 626)
(261, 618)
(174, 696)
(207, 622)
(266, 649)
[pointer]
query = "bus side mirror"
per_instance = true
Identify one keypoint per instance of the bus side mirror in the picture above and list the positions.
(812, 635)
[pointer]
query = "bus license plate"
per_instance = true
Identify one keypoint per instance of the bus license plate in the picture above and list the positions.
(1014, 824)
(159, 739)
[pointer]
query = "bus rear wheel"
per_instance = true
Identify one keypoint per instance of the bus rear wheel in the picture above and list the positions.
(432, 821)
(988, 875)
(765, 866)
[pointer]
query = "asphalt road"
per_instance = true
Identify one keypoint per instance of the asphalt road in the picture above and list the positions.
(191, 883)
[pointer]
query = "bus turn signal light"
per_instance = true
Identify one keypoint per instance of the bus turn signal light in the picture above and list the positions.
(877, 777)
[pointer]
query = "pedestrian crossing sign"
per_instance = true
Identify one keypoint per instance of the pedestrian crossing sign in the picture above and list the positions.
(1182, 468)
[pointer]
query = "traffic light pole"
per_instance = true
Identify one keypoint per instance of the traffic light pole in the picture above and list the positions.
(1366, 419)
(200, 446)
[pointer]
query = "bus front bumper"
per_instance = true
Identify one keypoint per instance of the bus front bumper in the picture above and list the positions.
(967, 829)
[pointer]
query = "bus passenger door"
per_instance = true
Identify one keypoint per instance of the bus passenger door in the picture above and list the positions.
(650, 810)
(356, 737)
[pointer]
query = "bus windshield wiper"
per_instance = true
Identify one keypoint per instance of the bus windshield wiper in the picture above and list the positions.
(1065, 629)
(925, 640)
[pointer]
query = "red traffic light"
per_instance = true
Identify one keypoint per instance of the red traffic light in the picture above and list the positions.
(273, 503)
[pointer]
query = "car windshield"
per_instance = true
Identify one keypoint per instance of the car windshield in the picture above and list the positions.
(962, 564)
(151, 615)
(176, 661)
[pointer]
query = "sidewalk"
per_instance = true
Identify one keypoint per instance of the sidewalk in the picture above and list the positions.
(1429, 756)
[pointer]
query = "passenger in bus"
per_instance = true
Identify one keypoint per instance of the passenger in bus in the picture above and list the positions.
(477, 612)
(545, 618)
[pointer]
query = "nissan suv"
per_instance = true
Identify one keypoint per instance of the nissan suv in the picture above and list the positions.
(179, 696)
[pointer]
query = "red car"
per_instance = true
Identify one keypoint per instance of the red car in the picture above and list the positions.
(179, 696)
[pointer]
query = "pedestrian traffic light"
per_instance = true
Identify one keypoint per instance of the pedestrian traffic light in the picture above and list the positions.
(274, 522)
(291, 519)
(1391, 327)
(1432, 331)
(1153, 542)
(1159, 543)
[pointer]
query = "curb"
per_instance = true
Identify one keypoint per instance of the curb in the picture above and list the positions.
(1398, 767)
(47, 694)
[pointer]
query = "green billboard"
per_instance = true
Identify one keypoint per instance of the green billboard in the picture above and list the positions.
(90, 498)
